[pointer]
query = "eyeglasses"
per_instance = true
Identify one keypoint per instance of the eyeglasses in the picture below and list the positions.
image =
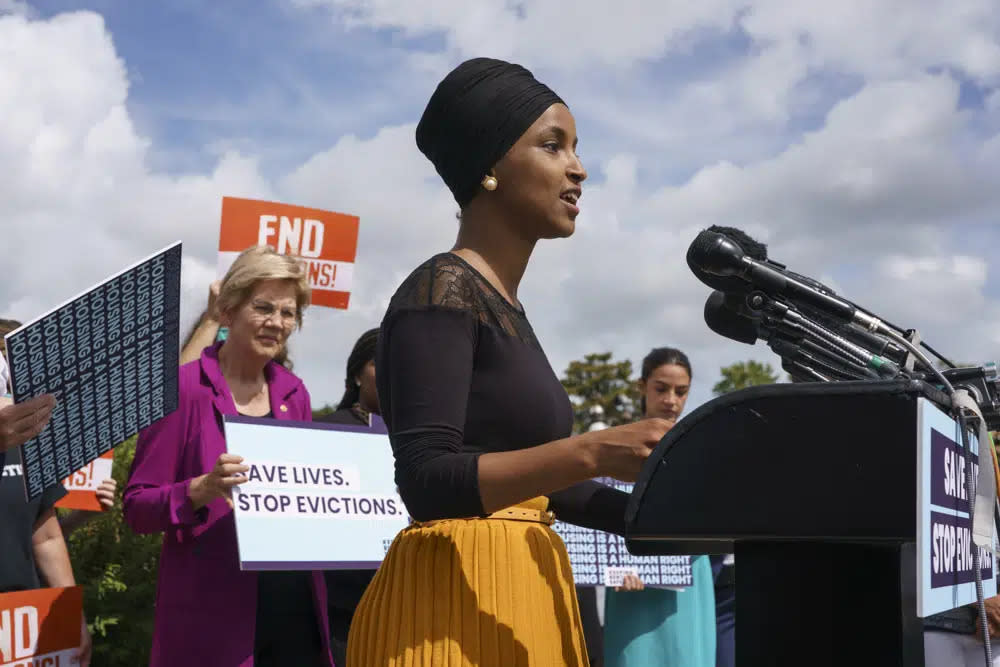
(266, 310)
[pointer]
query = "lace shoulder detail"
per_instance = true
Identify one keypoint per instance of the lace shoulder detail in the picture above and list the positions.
(447, 281)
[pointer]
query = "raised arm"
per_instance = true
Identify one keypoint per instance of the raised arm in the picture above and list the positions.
(205, 330)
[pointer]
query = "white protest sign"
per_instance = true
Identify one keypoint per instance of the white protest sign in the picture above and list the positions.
(318, 496)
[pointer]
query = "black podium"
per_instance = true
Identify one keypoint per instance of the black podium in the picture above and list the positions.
(813, 487)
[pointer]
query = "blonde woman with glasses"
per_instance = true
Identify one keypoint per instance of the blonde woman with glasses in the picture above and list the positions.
(208, 612)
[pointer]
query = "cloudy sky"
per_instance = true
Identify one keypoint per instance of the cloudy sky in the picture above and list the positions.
(861, 141)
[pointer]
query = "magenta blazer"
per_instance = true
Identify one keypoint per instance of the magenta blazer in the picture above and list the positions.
(206, 608)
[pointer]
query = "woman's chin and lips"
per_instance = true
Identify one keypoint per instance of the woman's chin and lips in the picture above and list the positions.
(264, 345)
(564, 219)
(268, 344)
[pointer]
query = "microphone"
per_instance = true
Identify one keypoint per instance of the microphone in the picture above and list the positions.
(784, 314)
(729, 316)
(717, 255)
(722, 316)
(800, 372)
(819, 358)
(730, 284)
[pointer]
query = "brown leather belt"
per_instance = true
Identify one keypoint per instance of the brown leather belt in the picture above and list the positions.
(514, 513)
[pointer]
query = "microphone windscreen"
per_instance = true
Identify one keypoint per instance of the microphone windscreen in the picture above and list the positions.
(703, 246)
(751, 246)
(725, 321)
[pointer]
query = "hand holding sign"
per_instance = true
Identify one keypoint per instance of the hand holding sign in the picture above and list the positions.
(106, 494)
(228, 472)
(631, 582)
(22, 422)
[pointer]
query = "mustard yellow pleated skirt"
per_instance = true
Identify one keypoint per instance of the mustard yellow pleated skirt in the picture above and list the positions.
(492, 592)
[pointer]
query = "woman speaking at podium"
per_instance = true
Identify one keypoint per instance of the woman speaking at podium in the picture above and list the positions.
(478, 421)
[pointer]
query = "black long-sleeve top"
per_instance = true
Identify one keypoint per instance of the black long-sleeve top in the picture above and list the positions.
(460, 373)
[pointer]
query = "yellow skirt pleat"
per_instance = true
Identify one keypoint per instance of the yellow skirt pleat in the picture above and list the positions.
(465, 592)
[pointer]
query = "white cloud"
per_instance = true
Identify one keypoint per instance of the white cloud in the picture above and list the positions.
(605, 34)
(887, 39)
(81, 203)
(865, 200)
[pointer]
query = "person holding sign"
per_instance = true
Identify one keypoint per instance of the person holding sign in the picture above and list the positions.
(479, 423)
(208, 612)
(33, 549)
(650, 626)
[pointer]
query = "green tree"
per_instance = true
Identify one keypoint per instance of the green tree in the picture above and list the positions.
(744, 374)
(596, 380)
(117, 570)
(327, 409)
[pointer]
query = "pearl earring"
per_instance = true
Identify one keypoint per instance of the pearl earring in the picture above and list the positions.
(490, 182)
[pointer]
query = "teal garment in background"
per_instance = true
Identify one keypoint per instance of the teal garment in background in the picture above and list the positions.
(662, 627)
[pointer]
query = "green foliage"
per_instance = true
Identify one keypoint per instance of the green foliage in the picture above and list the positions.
(597, 380)
(117, 569)
(744, 374)
(324, 411)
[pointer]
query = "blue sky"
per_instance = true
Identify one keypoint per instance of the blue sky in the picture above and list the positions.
(861, 143)
(281, 81)
(275, 81)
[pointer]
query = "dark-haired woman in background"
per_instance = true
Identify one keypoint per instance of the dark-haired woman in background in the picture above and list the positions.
(648, 626)
(360, 401)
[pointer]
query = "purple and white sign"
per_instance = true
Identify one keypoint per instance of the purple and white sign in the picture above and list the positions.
(951, 552)
(948, 463)
(319, 496)
(602, 559)
(945, 570)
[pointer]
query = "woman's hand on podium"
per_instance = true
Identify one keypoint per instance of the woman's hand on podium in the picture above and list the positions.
(620, 451)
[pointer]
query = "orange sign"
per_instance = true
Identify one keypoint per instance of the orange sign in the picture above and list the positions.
(41, 627)
(326, 241)
(82, 485)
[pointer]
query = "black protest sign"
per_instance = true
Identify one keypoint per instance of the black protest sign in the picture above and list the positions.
(109, 356)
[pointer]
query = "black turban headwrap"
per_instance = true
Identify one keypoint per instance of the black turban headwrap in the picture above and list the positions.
(473, 118)
(363, 352)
